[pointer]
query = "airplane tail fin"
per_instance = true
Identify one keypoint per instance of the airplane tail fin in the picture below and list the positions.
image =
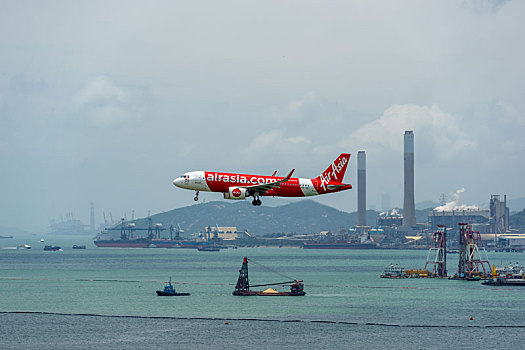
(336, 170)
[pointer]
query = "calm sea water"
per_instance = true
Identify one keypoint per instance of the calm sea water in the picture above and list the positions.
(105, 297)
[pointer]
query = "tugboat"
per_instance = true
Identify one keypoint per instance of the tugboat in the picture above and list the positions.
(169, 291)
(243, 285)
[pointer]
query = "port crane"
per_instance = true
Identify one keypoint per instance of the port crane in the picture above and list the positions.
(127, 230)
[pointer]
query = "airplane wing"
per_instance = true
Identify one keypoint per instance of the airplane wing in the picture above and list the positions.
(268, 186)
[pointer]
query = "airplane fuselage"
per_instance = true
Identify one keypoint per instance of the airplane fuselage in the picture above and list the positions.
(240, 186)
(212, 181)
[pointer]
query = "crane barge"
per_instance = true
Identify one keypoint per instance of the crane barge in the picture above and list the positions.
(243, 285)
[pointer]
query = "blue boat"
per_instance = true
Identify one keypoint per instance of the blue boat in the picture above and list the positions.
(170, 291)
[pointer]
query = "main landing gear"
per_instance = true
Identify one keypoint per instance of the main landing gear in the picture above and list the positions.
(196, 198)
(256, 202)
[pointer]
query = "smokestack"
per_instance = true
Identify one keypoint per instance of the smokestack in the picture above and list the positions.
(361, 188)
(409, 208)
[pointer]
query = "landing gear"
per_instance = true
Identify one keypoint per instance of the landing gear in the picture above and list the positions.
(256, 202)
(196, 198)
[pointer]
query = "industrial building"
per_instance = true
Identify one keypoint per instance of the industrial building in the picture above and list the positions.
(390, 218)
(224, 233)
(452, 218)
(499, 214)
(493, 221)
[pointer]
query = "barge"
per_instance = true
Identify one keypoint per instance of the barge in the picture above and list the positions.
(242, 288)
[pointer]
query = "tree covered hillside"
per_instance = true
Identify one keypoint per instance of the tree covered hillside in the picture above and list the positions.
(302, 217)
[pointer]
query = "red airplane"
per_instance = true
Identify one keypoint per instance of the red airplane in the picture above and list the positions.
(241, 186)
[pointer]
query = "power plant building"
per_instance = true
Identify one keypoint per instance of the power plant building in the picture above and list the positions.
(499, 214)
(452, 218)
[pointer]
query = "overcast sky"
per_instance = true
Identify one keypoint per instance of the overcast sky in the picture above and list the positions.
(108, 101)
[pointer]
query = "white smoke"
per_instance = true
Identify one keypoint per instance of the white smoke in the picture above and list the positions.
(454, 204)
(393, 213)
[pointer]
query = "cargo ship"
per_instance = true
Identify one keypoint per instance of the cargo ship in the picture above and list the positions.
(123, 243)
(128, 236)
(242, 288)
(337, 245)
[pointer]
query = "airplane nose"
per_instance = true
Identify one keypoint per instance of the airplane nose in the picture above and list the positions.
(177, 182)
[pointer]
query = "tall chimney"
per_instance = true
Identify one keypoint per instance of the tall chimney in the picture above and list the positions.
(361, 188)
(409, 208)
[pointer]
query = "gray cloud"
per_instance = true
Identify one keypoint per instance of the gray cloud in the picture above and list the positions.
(111, 101)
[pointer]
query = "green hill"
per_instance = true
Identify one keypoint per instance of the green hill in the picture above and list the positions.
(517, 220)
(303, 217)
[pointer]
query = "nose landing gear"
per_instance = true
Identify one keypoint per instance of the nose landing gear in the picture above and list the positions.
(196, 198)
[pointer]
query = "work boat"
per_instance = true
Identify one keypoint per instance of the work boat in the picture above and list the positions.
(243, 285)
(512, 275)
(169, 291)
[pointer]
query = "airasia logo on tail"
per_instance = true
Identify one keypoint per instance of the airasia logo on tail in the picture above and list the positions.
(336, 171)
(236, 192)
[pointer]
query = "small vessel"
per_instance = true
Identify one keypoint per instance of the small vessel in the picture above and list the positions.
(6, 236)
(169, 291)
(337, 245)
(394, 271)
(512, 275)
(208, 248)
(243, 285)
(41, 240)
(24, 246)
(79, 246)
(52, 248)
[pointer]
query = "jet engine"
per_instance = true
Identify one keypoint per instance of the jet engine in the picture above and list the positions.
(235, 193)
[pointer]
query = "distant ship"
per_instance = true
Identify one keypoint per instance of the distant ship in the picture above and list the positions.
(337, 245)
(6, 236)
(123, 243)
(52, 248)
(152, 238)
